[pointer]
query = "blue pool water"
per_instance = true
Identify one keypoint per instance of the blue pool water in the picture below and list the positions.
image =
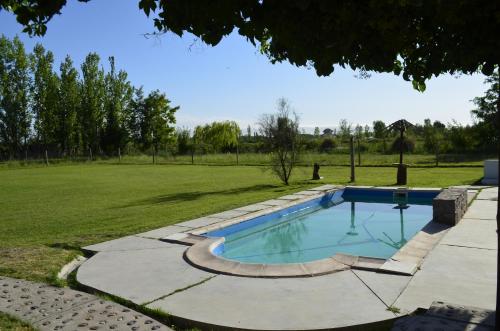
(367, 223)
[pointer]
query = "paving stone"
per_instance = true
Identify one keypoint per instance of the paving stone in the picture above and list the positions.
(225, 215)
(275, 202)
(400, 267)
(322, 302)
(346, 259)
(472, 233)
(323, 188)
(386, 286)
(184, 238)
(126, 244)
(471, 187)
(140, 275)
(253, 208)
(163, 232)
(471, 195)
(51, 308)
(201, 222)
(309, 193)
(292, 197)
(453, 274)
(482, 209)
(367, 263)
(488, 194)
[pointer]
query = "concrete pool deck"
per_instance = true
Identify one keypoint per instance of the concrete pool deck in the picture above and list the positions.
(141, 268)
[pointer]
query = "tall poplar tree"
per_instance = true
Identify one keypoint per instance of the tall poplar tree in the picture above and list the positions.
(45, 97)
(118, 97)
(68, 130)
(91, 110)
(15, 118)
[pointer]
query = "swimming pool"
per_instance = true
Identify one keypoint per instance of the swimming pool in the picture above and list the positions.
(359, 222)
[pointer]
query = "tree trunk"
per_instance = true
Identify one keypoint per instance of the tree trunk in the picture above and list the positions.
(46, 157)
(401, 137)
(237, 155)
(90, 152)
(497, 312)
(351, 144)
(119, 155)
(359, 154)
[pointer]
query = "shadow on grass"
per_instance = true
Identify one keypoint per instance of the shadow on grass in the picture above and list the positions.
(195, 195)
(65, 246)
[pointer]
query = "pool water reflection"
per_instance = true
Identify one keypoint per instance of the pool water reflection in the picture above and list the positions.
(364, 228)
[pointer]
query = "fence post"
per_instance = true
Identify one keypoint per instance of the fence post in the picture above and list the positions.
(359, 154)
(237, 155)
(351, 143)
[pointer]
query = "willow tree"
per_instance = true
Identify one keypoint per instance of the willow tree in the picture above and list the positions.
(413, 39)
(219, 135)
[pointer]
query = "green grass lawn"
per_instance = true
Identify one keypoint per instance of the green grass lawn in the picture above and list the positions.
(8, 323)
(48, 213)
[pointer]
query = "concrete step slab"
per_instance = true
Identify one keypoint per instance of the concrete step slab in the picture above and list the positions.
(453, 274)
(488, 194)
(482, 209)
(163, 232)
(140, 275)
(322, 302)
(472, 233)
(386, 286)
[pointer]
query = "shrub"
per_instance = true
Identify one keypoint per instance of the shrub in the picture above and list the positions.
(327, 145)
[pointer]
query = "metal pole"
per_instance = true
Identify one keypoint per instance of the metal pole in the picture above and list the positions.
(351, 142)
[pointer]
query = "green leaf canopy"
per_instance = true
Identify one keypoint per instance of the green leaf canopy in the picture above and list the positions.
(417, 39)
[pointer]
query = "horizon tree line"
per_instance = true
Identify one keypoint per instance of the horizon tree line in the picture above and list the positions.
(70, 114)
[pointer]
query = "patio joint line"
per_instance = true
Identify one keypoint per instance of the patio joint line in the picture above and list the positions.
(378, 297)
(179, 290)
(463, 246)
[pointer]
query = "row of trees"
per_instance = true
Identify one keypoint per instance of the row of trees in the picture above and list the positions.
(67, 113)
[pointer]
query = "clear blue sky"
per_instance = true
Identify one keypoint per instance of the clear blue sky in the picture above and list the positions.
(233, 80)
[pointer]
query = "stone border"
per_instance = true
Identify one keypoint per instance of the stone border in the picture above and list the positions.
(201, 255)
(405, 261)
(70, 267)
